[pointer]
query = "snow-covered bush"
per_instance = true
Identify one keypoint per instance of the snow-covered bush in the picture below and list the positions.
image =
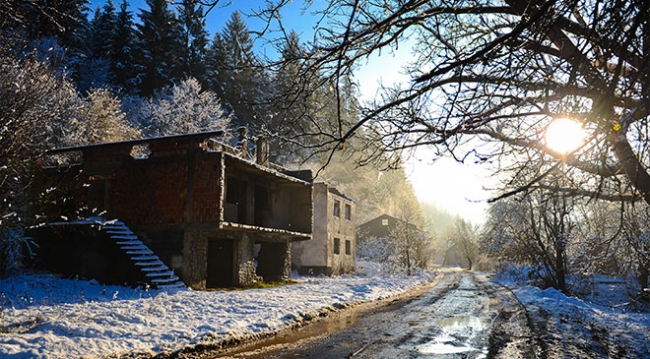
(35, 101)
(395, 255)
(180, 109)
(100, 120)
(14, 247)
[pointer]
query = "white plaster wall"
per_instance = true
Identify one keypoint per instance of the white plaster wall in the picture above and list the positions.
(313, 252)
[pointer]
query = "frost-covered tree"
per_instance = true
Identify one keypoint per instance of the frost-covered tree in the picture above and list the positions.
(538, 231)
(180, 109)
(408, 245)
(34, 103)
(464, 237)
(100, 119)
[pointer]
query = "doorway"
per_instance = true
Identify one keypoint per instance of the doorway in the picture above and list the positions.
(221, 254)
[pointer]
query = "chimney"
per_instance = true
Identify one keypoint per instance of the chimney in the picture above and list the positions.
(242, 141)
(263, 151)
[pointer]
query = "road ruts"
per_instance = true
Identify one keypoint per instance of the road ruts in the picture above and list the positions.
(462, 316)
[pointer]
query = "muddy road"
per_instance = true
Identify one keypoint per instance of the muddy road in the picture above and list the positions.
(461, 316)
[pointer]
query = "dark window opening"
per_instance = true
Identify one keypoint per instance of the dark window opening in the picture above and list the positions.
(348, 247)
(262, 205)
(337, 246)
(348, 212)
(237, 200)
(232, 191)
(262, 198)
(337, 208)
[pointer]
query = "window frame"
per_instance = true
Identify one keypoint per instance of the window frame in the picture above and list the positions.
(337, 246)
(337, 208)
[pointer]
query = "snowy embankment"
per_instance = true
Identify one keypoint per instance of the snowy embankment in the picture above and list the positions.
(603, 325)
(46, 317)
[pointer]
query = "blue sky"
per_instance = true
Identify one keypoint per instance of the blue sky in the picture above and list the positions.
(293, 16)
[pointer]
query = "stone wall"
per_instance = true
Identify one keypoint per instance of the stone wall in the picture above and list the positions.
(195, 259)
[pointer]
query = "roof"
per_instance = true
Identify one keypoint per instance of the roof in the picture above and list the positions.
(200, 136)
(195, 136)
(335, 191)
(267, 170)
(386, 216)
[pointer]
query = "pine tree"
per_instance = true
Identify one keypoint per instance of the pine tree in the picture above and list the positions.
(158, 39)
(103, 31)
(237, 76)
(122, 59)
(195, 40)
(291, 106)
(92, 68)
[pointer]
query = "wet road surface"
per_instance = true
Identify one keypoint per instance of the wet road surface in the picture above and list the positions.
(461, 316)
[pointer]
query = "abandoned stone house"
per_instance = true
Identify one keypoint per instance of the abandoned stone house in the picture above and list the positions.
(332, 250)
(215, 218)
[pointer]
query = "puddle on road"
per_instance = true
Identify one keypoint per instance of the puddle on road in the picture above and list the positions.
(456, 334)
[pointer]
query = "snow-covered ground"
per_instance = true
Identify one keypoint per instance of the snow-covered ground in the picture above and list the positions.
(604, 324)
(42, 316)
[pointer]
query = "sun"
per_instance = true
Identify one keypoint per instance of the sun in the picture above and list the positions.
(564, 135)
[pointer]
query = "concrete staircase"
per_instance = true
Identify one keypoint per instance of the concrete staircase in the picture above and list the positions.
(156, 272)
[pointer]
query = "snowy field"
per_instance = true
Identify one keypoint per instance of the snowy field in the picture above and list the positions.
(46, 317)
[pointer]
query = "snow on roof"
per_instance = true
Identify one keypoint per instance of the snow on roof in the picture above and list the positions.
(198, 135)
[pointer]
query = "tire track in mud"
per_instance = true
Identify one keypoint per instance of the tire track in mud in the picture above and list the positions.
(462, 316)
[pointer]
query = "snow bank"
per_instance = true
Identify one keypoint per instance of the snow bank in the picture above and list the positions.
(46, 317)
(601, 325)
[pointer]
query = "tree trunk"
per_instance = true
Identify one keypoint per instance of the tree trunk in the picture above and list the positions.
(559, 266)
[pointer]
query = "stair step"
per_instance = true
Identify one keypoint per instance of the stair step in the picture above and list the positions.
(160, 274)
(113, 227)
(120, 236)
(129, 242)
(165, 280)
(141, 252)
(123, 231)
(145, 258)
(154, 269)
(134, 247)
(149, 263)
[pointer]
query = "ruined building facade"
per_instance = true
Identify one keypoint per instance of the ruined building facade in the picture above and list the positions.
(214, 217)
(332, 249)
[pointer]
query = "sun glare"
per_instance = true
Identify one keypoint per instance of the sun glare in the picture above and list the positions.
(564, 135)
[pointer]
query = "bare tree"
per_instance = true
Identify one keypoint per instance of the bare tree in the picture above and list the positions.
(538, 231)
(501, 71)
(464, 236)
